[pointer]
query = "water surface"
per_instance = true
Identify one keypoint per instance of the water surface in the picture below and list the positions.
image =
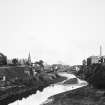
(41, 97)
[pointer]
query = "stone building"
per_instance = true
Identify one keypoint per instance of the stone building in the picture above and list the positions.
(95, 60)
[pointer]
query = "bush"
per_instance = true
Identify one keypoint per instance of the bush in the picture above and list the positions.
(95, 75)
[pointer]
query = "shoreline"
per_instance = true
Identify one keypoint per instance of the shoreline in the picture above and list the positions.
(80, 96)
(18, 93)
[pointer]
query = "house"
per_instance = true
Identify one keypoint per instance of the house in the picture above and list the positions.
(95, 60)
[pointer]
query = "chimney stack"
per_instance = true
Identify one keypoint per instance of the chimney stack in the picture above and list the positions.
(100, 50)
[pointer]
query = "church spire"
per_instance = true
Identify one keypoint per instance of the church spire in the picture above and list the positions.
(29, 58)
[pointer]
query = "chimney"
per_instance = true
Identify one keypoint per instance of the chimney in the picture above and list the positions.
(100, 50)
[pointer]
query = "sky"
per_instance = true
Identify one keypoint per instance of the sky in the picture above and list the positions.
(65, 31)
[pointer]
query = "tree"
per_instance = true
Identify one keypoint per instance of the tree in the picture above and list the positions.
(95, 75)
(84, 63)
(3, 59)
(15, 61)
(39, 65)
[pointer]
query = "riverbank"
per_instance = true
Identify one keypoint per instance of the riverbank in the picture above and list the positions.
(41, 96)
(13, 93)
(81, 96)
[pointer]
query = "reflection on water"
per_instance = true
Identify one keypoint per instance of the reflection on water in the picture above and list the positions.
(40, 97)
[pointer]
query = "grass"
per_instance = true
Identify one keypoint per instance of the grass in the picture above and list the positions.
(15, 93)
(80, 96)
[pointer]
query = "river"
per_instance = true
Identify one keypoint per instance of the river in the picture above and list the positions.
(40, 97)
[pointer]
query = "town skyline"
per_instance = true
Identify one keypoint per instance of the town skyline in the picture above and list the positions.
(58, 30)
